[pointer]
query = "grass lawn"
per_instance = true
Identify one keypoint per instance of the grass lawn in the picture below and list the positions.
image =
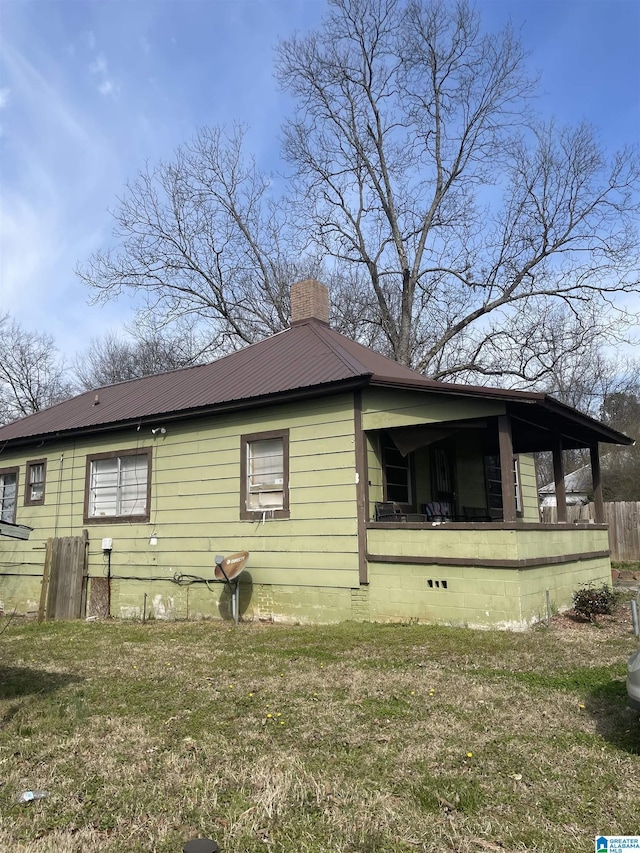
(354, 737)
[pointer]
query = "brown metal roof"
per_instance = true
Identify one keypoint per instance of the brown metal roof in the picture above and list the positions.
(307, 355)
(308, 358)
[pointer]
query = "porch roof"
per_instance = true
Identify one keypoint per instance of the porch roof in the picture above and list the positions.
(537, 421)
(537, 427)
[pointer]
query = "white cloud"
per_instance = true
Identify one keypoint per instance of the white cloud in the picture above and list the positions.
(99, 69)
(58, 175)
(38, 286)
(41, 98)
(28, 246)
(4, 97)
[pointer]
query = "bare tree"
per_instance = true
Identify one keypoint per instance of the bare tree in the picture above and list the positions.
(582, 374)
(148, 346)
(580, 371)
(621, 466)
(418, 162)
(205, 236)
(450, 223)
(32, 376)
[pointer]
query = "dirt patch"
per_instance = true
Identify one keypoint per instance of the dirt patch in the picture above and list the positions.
(618, 624)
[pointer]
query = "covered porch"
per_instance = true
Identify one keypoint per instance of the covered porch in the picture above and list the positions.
(453, 529)
(471, 470)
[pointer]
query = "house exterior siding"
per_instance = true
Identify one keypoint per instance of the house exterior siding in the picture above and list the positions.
(195, 514)
(383, 408)
(528, 487)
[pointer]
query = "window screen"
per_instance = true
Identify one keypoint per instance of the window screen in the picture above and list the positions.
(118, 486)
(8, 494)
(265, 474)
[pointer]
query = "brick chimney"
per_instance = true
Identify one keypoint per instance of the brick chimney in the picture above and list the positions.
(309, 299)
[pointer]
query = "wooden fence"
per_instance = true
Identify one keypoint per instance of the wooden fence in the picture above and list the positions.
(623, 518)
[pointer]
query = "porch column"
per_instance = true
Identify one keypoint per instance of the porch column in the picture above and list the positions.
(597, 484)
(558, 477)
(506, 466)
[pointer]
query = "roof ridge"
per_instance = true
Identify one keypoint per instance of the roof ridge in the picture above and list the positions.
(325, 334)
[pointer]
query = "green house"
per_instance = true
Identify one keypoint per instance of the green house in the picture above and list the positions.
(361, 490)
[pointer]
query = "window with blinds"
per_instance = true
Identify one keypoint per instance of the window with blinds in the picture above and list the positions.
(265, 475)
(118, 486)
(265, 466)
(8, 494)
(34, 490)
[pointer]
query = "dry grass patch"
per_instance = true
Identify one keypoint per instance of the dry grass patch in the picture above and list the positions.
(349, 739)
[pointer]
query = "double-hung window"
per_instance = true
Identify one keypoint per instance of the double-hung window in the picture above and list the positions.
(118, 486)
(264, 475)
(8, 494)
(34, 487)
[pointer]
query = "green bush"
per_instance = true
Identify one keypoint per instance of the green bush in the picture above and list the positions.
(590, 601)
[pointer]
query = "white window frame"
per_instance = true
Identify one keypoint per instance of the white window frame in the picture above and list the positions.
(33, 466)
(264, 493)
(8, 502)
(137, 491)
(516, 484)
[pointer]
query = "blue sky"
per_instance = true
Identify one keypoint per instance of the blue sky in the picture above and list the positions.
(91, 89)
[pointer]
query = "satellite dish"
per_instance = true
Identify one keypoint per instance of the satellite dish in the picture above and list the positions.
(228, 568)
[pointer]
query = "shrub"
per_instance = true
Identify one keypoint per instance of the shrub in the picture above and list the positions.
(590, 601)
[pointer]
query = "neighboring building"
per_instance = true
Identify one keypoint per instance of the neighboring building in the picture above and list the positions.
(578, 487)
(361, 489)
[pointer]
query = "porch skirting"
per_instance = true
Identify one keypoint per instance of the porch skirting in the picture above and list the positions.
(492, 574)
(478, 596)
